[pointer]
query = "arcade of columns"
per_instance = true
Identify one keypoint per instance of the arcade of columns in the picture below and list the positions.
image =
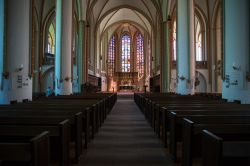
(20, 39)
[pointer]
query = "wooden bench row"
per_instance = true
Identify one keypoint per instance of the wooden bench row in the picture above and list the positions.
(218, 150)
(66, 118)
(34, 149)
(183, 119)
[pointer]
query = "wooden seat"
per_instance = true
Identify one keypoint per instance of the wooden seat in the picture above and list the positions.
(34, 150)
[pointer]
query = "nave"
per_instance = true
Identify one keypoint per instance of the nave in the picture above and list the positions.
(125, 139)
(62, 63)
(163, 129)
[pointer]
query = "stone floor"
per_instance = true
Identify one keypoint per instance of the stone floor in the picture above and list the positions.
(125, 139)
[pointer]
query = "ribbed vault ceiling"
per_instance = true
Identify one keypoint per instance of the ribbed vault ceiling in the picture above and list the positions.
(105, 13)
(125, 15)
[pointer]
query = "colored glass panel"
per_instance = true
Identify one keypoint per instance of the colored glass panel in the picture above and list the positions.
(126, 47)
(111, 57)
(140, 54)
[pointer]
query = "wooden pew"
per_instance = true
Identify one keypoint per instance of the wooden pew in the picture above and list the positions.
(110, 98)
(152, 108)
(58, 129)
(35, 150)
(222, 152)
(166, 116)
(164, 112)
(176, 118)
(63, 104)
(150, 105)
(56, 107)
(75, 121)
(97, 111)
(193, 127)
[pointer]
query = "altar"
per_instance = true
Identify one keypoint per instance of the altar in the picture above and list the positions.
(127, 81)
(127, 87)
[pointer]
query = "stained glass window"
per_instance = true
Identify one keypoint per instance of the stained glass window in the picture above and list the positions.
(140, 54)
(174, 41)
(126, 41)
(51, 39)
(111, 57)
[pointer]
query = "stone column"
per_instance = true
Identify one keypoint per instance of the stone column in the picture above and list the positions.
(17, 83)
(165, 62)
(81, 56)
(2, 93)
(185, 46)
(63, 74)
(87, 56)
(236, 50)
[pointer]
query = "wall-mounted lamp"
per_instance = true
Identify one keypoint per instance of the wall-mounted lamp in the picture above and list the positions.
(235, 67)
(182, 78)
(20, 68)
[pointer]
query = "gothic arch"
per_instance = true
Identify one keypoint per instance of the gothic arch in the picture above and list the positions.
(47, 80)
(202, 82)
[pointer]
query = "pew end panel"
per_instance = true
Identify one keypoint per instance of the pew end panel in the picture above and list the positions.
(35, 151)
(64, 128)
(187, 139)
(211, 149)
(40, 147)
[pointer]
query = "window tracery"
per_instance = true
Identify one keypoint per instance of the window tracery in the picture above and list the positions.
(140, 54)
(111, 56)
(126, 49)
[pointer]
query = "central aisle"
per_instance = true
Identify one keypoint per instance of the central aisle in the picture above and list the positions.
(125, 139)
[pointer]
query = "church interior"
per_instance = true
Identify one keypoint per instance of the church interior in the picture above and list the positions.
(124, 82)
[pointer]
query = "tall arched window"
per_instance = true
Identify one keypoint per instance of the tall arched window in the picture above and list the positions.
(199, 41)
(126, 47)
(199, 48)
(51, 39)
(174, 41)
(111, 56)
(140, 54)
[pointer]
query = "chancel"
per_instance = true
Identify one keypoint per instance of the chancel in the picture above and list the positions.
(124, 82)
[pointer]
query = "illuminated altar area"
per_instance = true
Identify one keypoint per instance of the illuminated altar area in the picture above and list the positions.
(126, 60)
(127, 81)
